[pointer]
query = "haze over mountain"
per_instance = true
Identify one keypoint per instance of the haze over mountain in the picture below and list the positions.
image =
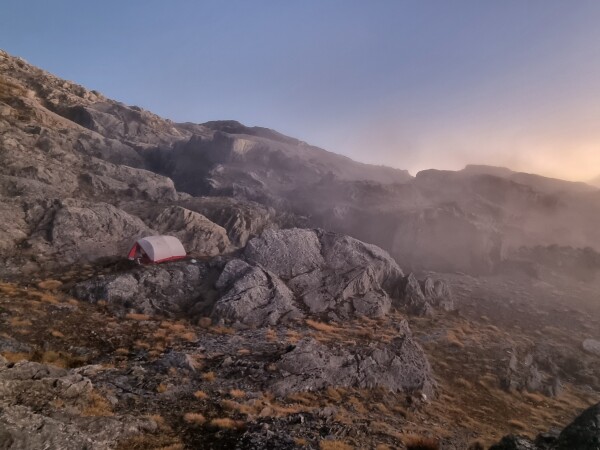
(326, 303)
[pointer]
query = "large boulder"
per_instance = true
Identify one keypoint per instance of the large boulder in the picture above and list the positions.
(253, 296)
(583, 433)
(332, 275)
(199, 235)
(74, 231)
(398, 366)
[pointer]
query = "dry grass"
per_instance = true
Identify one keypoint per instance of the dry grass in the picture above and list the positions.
(321, 326)
(416, 442)
(136, 316)
(334, 445)
(227, 423)
(15, 357)
(453, 339)
(517, 424)
(200, 395)
(222, 330)
(97, 406)
(209, 376)
(194, 418)
(237, 393)
(270, 335)
(57, 334)
(49, 285)
(19, 322)
(162, 387)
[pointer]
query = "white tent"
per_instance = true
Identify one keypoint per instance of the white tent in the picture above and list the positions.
(155, 249)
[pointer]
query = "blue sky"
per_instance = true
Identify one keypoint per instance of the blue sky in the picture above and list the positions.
(411, 84)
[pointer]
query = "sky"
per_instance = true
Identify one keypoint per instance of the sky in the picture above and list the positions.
(410, 84)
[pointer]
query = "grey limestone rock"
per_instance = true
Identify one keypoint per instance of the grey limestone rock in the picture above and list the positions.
(398, 366)
(199, 235)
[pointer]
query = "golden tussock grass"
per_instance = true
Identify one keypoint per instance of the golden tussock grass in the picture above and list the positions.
(97, 406)
(15, 357)
(244, 351)
(209, 376)
(200, 395)
(300, 441)
(137, 316)
(122, 351)
(227, 423)
(19, 322)
(334, 445)
(322, 326)
(194, 418)
(57, 334)
(222, 330)
(162, 387)
(237, 393)
(416, 442)
(453, 340)
(270, 335)
(517, 424)
(49, 285)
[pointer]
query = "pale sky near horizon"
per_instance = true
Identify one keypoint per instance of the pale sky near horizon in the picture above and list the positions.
(411, 84)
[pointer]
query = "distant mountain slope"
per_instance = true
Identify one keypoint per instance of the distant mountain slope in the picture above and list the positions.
(67, 152)
(595, 181)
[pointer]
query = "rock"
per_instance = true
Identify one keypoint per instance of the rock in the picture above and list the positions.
(253, 296)
(332, 275)
(168, 288)
(199, 235)
(583, 433)
(287, 253)
(77, 232)
(535, 372)
(592, 346)
(398, 366)
(412, 298)
(28, 418)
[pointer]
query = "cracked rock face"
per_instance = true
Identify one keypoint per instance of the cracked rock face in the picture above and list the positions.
(398, 366)
(328, 274)
(199, 235)
(254, 296)
(421, 298)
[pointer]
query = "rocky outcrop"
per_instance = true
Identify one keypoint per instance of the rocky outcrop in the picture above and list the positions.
(160, 289)
(398, 366)
(253, 296)
(74, 231)
(581, 434)
(423, 297)
(199, 236)
(533, 372)
(45, 407)
(332, 275)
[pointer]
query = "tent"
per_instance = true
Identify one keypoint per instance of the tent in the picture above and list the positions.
(156, 249)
